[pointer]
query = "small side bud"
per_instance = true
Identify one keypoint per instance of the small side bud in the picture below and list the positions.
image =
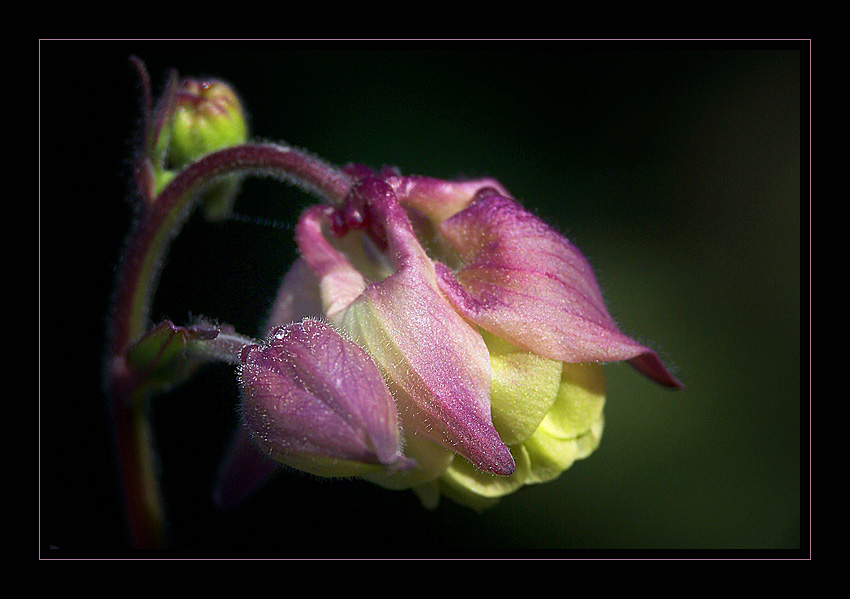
(161, 358)
(208, 116)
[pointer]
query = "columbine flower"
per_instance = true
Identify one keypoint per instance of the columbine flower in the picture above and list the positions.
(489, 341)
(433, 335)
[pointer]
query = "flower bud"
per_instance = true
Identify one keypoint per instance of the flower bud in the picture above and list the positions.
(205, 116)
(208, 116)
(315, 401)
(160, 357)
(487, 326)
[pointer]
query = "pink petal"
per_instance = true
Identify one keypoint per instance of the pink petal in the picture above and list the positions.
(445, 370)
(423, 347)
(339, 282)
(297, 298)
(519, 279)
(436, 199)
(312, 398)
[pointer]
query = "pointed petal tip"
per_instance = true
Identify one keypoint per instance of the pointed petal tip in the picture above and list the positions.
(501, 465)
(505, 465)
(651, 366)
(493, 456)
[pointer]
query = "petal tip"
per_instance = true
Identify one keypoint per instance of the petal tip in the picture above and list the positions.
(494, 457)
(505, 465)
(651, 366)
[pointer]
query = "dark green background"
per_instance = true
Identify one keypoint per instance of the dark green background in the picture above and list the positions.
(677, 168)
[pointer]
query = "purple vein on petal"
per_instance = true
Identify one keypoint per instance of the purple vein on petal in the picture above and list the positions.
(519, 279)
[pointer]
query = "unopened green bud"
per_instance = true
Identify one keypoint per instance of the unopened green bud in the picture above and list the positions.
(207, 117)
(161, 357)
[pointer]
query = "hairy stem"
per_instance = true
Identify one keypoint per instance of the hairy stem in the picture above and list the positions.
(225, 347)
(158, 224)
(161, 221)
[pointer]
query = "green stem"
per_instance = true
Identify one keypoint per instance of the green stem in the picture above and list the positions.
(159, 223)
(225, 347)
(137, 465)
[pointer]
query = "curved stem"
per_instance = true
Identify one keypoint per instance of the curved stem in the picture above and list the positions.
(159, 223)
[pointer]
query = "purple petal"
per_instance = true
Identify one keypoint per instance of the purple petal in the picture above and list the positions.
(521, 280)
(317, 402)
(423, 346)
(244, 468)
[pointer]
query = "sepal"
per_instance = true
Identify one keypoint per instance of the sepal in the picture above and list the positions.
(520, 280)
(315, 401)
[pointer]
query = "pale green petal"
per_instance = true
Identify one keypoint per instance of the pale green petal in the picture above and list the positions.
(523, 387)
(464, 479)
(589, 441)
(549, 456)
(429, 494)
(573, 427)
(580, 400)
(464, 496)
(569, 431)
